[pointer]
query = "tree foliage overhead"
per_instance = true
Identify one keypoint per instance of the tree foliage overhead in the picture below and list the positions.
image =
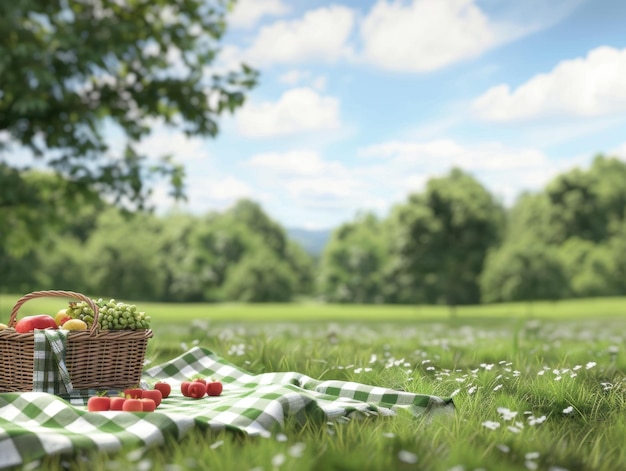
(70, 67)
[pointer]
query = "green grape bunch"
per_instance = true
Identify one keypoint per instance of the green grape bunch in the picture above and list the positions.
(113, 315)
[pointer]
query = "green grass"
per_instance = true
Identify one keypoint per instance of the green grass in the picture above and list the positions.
(562, 372)
(610, 307)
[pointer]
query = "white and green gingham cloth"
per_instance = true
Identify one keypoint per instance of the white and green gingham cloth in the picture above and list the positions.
(36, 424)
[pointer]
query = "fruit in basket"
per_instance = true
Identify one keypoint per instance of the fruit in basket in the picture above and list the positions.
(30, 323)
(75, 324)
(113, 315)
(62, 317)
(3, 326)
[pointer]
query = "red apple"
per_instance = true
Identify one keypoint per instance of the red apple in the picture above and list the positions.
(117, 402)
(184, 388)
(153, 394)
(98, 403)
(164, 387)
(200, 380)
(132, 405)
(214, 388)
(30, 323)
(148, 405)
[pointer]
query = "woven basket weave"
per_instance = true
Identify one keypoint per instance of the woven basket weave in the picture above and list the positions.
(96, 359)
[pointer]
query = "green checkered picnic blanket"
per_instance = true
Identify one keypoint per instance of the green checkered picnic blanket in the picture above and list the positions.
(36, 424)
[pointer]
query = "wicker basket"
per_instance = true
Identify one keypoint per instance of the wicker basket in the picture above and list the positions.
(96, 359)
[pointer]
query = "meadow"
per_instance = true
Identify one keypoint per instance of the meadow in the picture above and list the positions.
(535, 387)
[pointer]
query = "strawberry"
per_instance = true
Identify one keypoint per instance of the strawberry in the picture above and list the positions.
(184, 388)
(132, 405)
(133, 393)
(98, 404)
(148, 405)
(214, 388)
(164, 387)
(117, 402)
(196, 389)
(153, 394)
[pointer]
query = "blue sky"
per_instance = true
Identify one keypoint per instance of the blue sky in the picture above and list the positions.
(361, 102)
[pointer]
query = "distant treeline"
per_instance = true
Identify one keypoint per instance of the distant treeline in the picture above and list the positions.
(454, 243)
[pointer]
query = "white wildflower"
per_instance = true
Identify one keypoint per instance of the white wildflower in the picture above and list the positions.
(568, 410)
(506, 414)
(590, 365)
(278, 460)
(532, 420)
(407, 457)
(297, 449)
(491, 425)
(531, 465)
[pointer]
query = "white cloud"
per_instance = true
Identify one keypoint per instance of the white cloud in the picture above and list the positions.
(297, 110)
(426, 35)
(321, 34)
(590, 86)
(295, 162)
(165, 141)
(229, 188)
(504, 171)
(296, 77)
(248, 12)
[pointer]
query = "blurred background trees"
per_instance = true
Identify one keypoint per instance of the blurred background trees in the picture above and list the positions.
(452, 243)
(72, 69)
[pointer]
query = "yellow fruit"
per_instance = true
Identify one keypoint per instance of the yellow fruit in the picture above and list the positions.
(75, 324)
(62, 317)
(3, 326)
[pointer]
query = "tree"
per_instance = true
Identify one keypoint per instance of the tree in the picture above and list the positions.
(440, 239)
(259, 277)
(70, 68)
(351, 269)
(589, 267)
(524, 269)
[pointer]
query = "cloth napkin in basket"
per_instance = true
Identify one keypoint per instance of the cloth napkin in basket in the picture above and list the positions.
(49, 369)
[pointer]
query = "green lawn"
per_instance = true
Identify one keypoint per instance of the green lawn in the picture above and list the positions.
(614, 307)
(547, 392)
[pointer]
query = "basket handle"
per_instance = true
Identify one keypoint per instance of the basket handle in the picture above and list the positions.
(57, 294)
